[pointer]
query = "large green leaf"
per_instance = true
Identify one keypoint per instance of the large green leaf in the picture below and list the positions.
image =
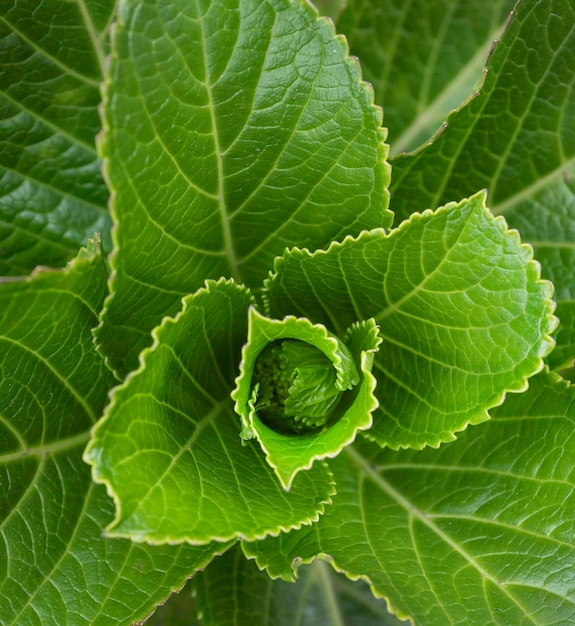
(517, 139)
(232, 130)
(477, 532)
(461, 308)
(234, 592)
(169, 446)
(423, 58)
(55, 566)
(52, 196)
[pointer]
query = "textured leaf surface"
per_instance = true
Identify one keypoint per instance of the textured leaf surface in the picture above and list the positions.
(232, 130)
(422, 58)
(478, 532)
(55, 567)
(288, 453)
(459, 304)
(169, 446)
(52, 196)
(517, 139)
(234, 592)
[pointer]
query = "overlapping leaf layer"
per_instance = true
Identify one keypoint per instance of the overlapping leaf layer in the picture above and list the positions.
(169, 446)
(478, 532)
(232, 130)
(55, 566)
(516, 138)
(239, 140)
(459, 304)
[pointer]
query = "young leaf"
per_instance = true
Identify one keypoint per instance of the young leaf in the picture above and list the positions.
(422, 58)
(231, 130)
(459, 303)
(517, 139)
(52, 196)
(234, 592)
(477, 532)
(55, 566)
(169, 448)
(303, 393)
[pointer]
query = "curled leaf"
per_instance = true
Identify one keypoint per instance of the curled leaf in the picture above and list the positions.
(302, 392)
(460, 304)
(167, 447)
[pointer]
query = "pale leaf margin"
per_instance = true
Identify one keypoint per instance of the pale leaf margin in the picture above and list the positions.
(288, 454)
(88, 456)
(93, 453)
(531, 365)
(549, 322)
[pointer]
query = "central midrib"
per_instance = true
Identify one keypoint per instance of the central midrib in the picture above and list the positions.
(226, 230)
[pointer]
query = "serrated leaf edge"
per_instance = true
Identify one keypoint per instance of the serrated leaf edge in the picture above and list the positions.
(366, 360)
(550, 321)
(88, 454)
(87, 253)
(89, 457)
(475, 93)
(353, 66)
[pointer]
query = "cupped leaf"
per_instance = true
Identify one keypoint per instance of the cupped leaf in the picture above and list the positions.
(307, 397)
(232, 130)
(477, 532)
(422, 58)
(55, 566)
(517, 139)
(460, 306)
(52, 195)
(276, 383)
(234, 592)
(168, 447)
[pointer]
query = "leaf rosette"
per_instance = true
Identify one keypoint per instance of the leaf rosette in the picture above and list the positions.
(302, 392)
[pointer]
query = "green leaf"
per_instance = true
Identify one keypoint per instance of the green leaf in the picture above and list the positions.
(55, 566)
(169, 448)
(296, 426)
(422, 58)
(232, 130)
(477, 532)
(460, 306)
(52, 195)
(234, 592)
(517, 139)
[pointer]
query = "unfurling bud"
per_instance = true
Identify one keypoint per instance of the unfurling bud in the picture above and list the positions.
(298, 386)
(302, 392)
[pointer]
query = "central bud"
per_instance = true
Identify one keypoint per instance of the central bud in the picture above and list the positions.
(303, 392)
(297, 387)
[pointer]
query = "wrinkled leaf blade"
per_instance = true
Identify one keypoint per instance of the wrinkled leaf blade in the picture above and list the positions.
(232, 130)
(55, 566)
(169, 447)
(460, 306)
(52, 195)
(516, 139)
(422, 58)
(478, 532)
